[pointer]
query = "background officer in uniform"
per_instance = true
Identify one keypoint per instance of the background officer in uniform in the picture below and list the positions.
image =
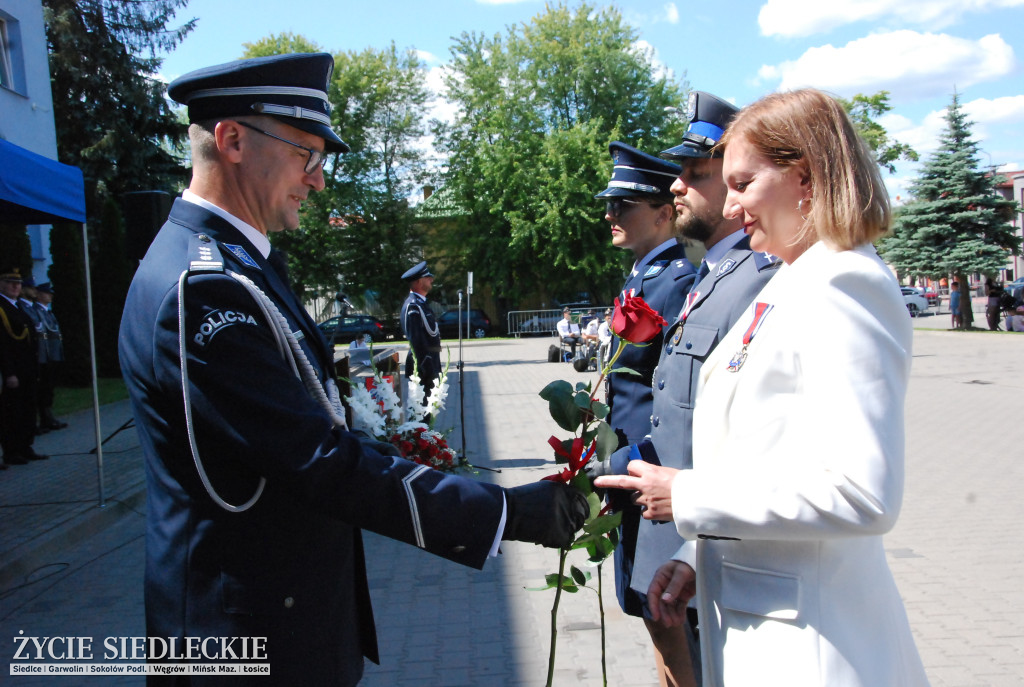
(639, 208)
(256, 493)
(730, 276)
(420, 328)
(51, 353)
(19, 366)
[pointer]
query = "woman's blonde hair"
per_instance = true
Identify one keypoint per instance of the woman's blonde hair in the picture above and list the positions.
(809, 131)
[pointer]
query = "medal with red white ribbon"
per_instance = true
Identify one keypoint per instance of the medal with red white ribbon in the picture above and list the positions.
(761, 311)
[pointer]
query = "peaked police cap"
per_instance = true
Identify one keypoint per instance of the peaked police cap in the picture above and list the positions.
(291, 88)
(417, 271)
(709, 116)
(638, 175)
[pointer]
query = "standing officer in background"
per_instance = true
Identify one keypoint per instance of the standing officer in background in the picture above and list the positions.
(729, 278)
(51, 352)
(639, 208)
(19, 367)
(420, 328)
(256, 491)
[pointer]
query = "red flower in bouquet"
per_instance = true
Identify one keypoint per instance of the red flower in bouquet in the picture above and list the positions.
(635, 321)
(576, 458)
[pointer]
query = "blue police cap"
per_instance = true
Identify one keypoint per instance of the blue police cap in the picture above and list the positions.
(709, 116)
(45, 288)
(291, 88)
(416, 272)
(639, 175)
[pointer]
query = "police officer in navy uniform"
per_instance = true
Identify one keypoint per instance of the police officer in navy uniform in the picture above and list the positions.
(51, 353)
(256, 492)
(420, 328)
(729, 277)
(639, 208)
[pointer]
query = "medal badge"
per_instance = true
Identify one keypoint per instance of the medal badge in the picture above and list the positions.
(760, 313)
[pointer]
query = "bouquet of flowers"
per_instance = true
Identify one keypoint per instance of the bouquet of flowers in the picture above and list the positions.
(577, 410)
(410, 428)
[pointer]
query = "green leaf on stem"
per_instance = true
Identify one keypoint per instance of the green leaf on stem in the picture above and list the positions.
(562, 405)
(578, 575)
(624, 370)
(607, 441)
(603, 524)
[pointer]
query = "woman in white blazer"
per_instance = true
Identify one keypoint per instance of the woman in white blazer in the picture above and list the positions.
(798, 429)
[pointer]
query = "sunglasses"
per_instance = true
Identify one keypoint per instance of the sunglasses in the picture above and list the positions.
(617, 207)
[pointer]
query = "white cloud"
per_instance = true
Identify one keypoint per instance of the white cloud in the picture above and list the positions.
(427, 57)
(790, 18)
(982, 113)
(501, 2)
(658, 68)
(671, 13)
(907, 63)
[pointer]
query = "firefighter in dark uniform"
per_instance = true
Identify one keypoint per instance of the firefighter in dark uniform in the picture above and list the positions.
(420, 328)
(256, 491)
(20, 368)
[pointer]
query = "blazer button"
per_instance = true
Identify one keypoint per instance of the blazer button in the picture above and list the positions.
(689, 345)
(668, 349)
(289, 602)
(656, 421)
(661, 384)
(458, 549)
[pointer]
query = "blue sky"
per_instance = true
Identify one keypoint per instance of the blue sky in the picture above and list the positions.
(919, 50)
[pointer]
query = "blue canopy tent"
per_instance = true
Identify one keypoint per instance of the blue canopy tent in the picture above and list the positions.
(37, 190)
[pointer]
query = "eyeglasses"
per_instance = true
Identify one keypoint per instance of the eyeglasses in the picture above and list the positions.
(617, 207)
(316, 157)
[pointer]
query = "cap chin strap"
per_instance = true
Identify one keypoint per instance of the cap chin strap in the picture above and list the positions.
(288, 346)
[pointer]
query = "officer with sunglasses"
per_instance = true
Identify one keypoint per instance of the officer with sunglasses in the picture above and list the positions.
(641, 220)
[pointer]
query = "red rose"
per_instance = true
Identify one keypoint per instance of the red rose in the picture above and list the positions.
(634, 321)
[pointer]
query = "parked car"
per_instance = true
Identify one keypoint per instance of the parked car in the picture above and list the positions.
(1015, 287)
(345, 329)
(927, 293)
(479, 324)
(916, 303)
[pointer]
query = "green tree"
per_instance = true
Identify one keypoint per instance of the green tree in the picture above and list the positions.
(957, 223)
(358, 234)
(863, 109)
(112, 119)
(114, 123)
(528, 149)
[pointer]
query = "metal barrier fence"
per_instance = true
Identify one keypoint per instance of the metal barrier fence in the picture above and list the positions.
(545, 322)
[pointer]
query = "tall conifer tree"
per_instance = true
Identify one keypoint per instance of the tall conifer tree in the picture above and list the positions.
(957, 223)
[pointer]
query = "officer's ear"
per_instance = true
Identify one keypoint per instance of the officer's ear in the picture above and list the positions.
(229, 135)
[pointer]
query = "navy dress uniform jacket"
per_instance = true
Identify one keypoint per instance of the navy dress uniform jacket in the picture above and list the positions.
(420, 328)
(721, 298)
(663, 284)
(291, 568)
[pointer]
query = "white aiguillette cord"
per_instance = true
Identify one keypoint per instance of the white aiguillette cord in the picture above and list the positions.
(289, 348)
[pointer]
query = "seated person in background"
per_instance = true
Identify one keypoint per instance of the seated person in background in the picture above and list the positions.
(604, 332)
(358, 342)
(569, 332)
(591, 334)
(1015, 320)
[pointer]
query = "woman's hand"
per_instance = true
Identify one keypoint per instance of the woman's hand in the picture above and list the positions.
(673, 586)
(653, 484)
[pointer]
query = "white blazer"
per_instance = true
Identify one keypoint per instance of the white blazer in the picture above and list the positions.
(798, 455)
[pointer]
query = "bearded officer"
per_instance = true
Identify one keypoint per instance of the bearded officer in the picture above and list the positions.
(729, 277)
(256, 491)
(420, 328)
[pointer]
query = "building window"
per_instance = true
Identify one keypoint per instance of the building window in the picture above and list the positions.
(12, 63)
(6, 71)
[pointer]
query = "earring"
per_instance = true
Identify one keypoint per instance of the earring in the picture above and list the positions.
(800, 208)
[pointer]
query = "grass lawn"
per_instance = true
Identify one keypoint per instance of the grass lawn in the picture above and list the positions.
(68, 400)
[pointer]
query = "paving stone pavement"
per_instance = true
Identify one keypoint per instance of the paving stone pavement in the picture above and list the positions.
(69, 568)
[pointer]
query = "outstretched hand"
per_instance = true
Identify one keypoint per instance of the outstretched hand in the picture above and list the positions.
(653, 484)
(673, 586)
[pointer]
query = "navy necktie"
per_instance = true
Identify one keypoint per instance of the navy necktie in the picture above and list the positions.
(701, 273)
(277, 260)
